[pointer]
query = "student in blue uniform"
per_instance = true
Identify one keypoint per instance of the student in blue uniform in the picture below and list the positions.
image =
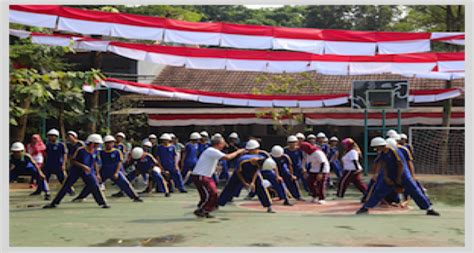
(190, 156)
(285, 169)
(203, 142)
(233, 145)
(404, 142)
(111, 164)
(73, 143)
(84, 166)
(320, 137)
(21, 163)
(121, 145)
(247, 175)
(396, 177)
(166, 157)
(333, 156)
(296, 156)
(55, 160)
(147, 146)
(145, 163)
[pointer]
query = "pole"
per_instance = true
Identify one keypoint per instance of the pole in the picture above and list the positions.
(399, 112)
(366, 143)
(383, 123)
(109, 102)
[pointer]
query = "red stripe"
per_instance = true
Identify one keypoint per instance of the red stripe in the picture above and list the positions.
(42, 9)
(241, 29)
(193, 26)
(454, 37)
(432, 92)
(298, 33)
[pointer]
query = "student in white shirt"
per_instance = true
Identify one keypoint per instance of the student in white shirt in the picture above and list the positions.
(318, 171)
(352, 170)
(202, 175)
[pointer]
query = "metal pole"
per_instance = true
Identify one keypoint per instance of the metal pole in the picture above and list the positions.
(109, 102)
(399, 112)
(383, 123)
(366, 143)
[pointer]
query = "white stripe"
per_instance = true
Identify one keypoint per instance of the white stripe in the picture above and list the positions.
(310, 46)
(246, 41)
(404, 47)
(349, 48)
(193, 38)
(84, 27)
(33, 19)
(129, 53)
(136, 32)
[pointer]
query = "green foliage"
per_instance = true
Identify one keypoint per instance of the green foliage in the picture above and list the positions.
(284, 84)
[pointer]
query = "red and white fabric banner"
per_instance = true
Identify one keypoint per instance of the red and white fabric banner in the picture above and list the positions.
(444, 66)
(213, 119)
(253, 100)
(316, 41)
(236, 99)
(375, 119)
(337, 119)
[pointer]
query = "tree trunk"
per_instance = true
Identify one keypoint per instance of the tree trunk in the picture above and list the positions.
(23, 121)
(97, 64)
(62, 128)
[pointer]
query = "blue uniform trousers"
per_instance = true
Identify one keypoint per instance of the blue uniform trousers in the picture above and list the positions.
(121, 182)
(381, 190)
(89, 179)
(277, 186)
(235, 184)
(33, 172)
(177, 179)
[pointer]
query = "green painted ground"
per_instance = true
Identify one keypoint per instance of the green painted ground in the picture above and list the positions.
(163, 221)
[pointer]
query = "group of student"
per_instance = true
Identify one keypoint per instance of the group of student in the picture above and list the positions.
(165, 164)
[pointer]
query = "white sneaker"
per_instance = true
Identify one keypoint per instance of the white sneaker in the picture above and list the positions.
(322, 202)
(314, 200)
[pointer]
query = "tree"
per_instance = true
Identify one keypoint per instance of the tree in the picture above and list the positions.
(328, 17)
(284, 84)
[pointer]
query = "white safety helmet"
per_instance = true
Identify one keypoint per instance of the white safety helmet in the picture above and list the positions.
(204, 134)
(266, 183)
(152, 136)
(252, 144)
(234, 135)
(137, 152)
(172, 135)
(109, 138)
(94, 138)
(403, 136)
(391, 142)
(72, 133)
(325, 139)
(165, 137)
(120, 134)
(195, 136)
(311, 136)
(269, 164)
(391, 133)
(334, 138)
(147, 144)
(17, 146)
(396, 137)
(291, 138)
(378, 142)
(300, 136)
(277, 151)
(321, 135)
(54, 132)
(217, 135)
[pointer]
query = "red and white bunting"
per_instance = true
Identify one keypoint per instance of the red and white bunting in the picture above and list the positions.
(252, 100)
(316, 41)
(422, 65)
(375, 119)
(337, 119)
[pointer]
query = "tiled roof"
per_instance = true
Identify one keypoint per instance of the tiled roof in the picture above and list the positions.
(244, 82)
